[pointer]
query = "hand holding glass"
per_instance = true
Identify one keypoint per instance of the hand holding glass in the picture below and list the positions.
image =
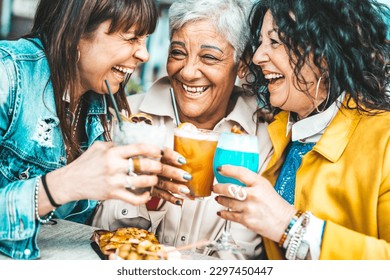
(135, 133)
(239, 150)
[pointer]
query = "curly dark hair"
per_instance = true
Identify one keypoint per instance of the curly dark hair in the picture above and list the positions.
(349, 35)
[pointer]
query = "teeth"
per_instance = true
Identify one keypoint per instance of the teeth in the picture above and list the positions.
(194, 91)
(124, 69)
(273, 76)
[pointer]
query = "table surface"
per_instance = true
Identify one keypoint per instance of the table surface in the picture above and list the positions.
(67, 240)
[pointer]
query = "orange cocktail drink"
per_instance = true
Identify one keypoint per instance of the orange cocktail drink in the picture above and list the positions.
(198, 147)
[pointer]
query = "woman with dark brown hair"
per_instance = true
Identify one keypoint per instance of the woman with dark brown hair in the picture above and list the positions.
(54, 106)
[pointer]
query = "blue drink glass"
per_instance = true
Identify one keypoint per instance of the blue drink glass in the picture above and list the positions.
(238, 150)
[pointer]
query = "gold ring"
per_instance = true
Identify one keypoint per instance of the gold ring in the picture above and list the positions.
(137, 164)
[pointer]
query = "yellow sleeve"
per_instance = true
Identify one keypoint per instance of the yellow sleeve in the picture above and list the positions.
(341, 243)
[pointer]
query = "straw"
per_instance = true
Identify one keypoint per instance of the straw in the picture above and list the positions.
(174, 106)
(115, 105)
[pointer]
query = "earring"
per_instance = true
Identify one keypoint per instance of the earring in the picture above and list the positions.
(241, 73)
(316, 95)
(78, 56)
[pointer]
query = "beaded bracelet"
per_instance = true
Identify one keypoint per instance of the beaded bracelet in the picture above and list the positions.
(290, 225)
(293, 230)
(46, 220)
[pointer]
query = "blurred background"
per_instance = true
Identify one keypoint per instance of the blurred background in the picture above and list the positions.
(16, 19)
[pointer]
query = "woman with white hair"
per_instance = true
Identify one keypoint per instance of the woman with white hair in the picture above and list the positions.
(208, 39)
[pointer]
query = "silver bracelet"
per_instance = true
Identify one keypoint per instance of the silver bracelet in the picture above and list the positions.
(293, 229)
(294, 244)
(46, 220)
(297, 247)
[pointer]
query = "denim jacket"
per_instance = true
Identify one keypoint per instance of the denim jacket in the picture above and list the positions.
(31, 144)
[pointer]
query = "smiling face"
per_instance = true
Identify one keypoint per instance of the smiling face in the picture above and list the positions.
(202, 71)
(274, 61)
(109, 57)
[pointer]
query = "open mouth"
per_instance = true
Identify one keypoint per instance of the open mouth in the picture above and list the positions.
(194, 91)
(273, 77)
(121, 72)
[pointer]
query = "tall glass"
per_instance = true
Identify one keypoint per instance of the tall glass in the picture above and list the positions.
(135, 133)
(239, 150)
(198, 147)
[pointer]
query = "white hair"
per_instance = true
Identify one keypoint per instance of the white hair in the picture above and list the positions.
(229, 18)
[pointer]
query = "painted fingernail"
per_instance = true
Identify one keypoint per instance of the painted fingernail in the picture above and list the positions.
(187, 176)
(178, 202)
(181, 160)
(212, 188)
(219, 168)
(162, 152)
(216, 198)
(219, 213)
(184, 190)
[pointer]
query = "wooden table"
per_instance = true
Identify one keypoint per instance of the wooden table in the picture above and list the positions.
(67, 240)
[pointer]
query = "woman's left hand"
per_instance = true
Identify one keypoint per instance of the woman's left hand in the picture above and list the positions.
(263, 210)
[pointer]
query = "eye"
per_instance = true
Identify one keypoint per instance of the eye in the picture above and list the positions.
(210, 57)
(132, 40)
(275, 43)
(178, 54)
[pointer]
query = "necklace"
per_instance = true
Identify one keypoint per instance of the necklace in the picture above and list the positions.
(76, 121)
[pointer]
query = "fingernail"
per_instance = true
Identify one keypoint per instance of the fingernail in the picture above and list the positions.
(187, 176)
(162, 153)
(219, 214)
(184, 190)
(181, 160)
(212, 188)
(178, 202)
(219, 168)
(216, 198)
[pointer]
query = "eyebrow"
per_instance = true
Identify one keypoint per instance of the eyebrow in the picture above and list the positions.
(178, 43)
(202, 46)
(210, 47)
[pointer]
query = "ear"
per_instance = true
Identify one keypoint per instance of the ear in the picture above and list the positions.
(242, 69)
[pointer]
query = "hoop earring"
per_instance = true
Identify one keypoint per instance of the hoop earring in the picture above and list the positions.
(78, 56)
(316, 95)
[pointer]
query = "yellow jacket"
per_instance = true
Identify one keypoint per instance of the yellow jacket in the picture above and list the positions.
(344, 180)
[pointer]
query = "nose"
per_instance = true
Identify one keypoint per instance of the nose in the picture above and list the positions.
(190, 69)
(261, 55)
(142, 53)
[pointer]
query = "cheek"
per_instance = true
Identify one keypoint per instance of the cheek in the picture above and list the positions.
(173, 67)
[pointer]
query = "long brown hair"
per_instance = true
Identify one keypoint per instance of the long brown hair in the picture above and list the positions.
(61, 24)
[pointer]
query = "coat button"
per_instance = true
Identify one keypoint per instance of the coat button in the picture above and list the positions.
(183, 238)
(124, 212)
(27, 252)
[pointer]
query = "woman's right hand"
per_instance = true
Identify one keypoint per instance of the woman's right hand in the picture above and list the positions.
(172, 178)
(101, 173)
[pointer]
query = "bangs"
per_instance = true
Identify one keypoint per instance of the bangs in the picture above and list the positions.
(127, 13)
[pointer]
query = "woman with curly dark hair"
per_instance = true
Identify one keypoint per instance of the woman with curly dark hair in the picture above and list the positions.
(326, 191)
